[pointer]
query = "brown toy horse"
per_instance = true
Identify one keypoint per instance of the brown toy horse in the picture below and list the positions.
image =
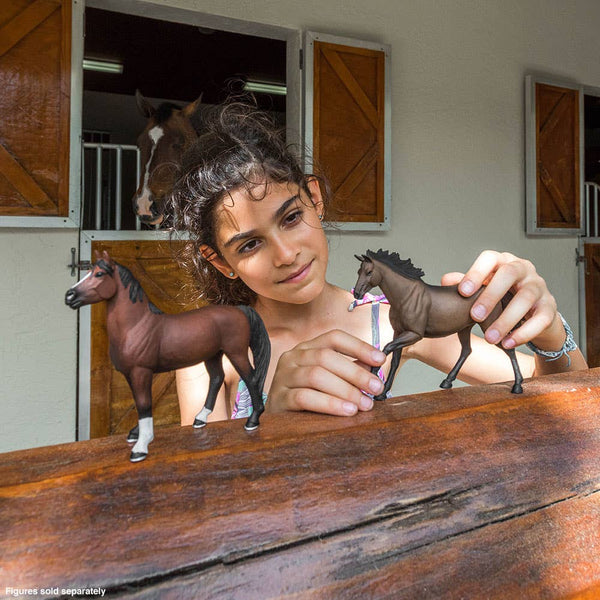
(419, 310)
(168, 133)
(144, 341)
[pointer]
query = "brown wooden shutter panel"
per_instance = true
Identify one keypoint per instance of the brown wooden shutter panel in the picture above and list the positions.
(35, 71)
(112, 409)
(592, 294)
(348, 136)
(557, 153)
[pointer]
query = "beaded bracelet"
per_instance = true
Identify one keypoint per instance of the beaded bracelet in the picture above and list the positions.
(567, 347)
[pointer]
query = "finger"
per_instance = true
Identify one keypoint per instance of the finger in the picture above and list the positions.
(334, 374)
(453, 278)
(317, 401)
(536, 324)
(521, 304)
(504, 279)
(346, 344)
(480, 271)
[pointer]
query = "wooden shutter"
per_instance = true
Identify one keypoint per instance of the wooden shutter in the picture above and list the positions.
(350, 126)
(592, 294)
(112, 409)
(35, 70)
(554, 159)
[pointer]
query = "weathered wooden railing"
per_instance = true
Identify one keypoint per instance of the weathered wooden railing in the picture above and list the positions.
(467, 493)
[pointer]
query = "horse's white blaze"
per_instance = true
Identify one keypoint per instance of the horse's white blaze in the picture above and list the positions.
(82, 280)
(144, 199)
(146, 435)
(203, 414)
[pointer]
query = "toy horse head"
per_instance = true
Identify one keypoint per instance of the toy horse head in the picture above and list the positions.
(98, 285)
(168, 133)
(366, 276)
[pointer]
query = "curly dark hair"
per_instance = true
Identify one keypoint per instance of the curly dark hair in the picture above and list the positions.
(240, 147)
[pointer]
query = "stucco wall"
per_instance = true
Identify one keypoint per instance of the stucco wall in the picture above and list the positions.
(457, 77)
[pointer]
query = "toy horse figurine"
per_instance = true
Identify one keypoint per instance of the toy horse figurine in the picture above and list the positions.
(419, 310)
(144, 341)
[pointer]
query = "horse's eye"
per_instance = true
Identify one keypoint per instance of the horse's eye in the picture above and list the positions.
(99, 274)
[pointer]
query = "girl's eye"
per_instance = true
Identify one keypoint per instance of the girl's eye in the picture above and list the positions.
(248, 246)
(293, 217)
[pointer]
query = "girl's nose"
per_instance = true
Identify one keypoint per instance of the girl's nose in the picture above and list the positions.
(284, 252)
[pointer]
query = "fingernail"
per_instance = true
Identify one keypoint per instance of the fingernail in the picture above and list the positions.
(375, 385)
(509, 343)
(349, 408)
(492, 336)
(378, 356)
(366, 403)
(479, 311)
(467, 287)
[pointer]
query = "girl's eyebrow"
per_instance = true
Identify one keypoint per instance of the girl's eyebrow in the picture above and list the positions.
(276, 215)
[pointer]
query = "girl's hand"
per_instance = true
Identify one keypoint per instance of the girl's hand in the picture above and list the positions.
(326, 375)
(502, 272)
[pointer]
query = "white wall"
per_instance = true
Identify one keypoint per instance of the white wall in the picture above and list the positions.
(457, 76)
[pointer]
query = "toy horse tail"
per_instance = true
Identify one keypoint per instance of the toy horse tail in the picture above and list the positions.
(260, 345)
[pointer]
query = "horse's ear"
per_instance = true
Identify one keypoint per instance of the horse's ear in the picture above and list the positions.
(357, 257)
(192, 107)
(144, 106)
(96, 256)
(106, 257)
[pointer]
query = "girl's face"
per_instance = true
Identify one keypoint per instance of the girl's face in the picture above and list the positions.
(276, 245)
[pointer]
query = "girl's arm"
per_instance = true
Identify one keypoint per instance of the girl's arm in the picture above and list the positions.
(192, 387)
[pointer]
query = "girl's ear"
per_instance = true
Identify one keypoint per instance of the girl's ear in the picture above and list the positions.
(217, 262)
(315, 196)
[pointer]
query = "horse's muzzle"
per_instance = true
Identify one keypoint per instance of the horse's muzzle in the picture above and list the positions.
(72, 299)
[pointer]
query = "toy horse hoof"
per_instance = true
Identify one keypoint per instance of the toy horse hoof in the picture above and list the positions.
(380, 397)
(446, 385)
(198, 424)
(137, 456)
(517, 389)
(133, 435)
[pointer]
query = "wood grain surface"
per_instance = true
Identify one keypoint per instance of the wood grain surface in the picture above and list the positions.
(467, 493)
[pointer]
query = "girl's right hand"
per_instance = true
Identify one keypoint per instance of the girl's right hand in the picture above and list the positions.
(326, 375)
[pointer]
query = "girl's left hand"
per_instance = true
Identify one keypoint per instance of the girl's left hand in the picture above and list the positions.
(502, 272)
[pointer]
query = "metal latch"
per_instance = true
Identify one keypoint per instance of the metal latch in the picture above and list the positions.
(74, 266)
(579, 258)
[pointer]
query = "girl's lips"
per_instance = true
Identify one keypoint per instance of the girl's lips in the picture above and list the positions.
(298, 275)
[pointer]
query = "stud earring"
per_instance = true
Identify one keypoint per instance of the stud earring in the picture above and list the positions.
(231, 274)
(320, 217)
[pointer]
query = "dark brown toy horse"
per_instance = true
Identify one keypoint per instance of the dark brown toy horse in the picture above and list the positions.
(168, 133)
(419, 310)
(144, 341)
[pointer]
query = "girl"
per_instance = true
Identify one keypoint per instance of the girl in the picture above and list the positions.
(256, 237)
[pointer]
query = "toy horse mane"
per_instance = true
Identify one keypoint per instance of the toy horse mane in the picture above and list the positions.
(397, 264)
(136, 292)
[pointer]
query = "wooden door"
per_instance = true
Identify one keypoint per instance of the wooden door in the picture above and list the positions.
(348, 133)
(554, 162)
(592, 294)
(112, 409)
(35, 71)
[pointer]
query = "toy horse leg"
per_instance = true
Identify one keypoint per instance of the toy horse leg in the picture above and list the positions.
(396, 356)
(140, 382)
(517, 388)
(258, 405)
(465, 342)
(214, 367)
(406, 338)
(133, 435)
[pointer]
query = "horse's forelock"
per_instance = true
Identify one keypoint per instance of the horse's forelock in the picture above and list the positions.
(106, 267)
(164, 112)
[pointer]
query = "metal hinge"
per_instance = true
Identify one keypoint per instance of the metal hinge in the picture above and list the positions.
(579, 258)
(301, 64)
(83, 265)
